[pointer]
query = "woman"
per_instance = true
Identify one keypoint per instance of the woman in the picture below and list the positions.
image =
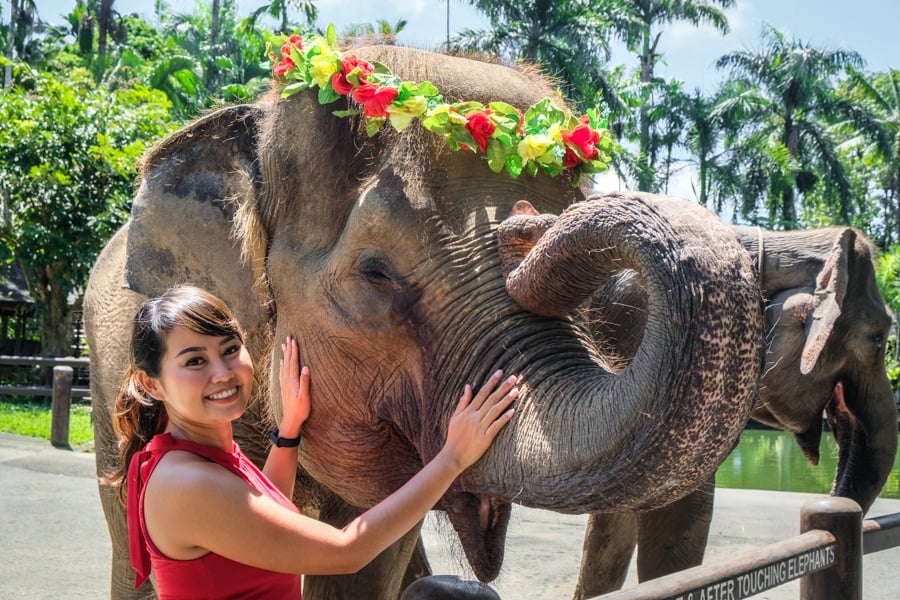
(200, 514)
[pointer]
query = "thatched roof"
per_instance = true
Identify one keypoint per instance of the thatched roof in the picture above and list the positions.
(13, 290)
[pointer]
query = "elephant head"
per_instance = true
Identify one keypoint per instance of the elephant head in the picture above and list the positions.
(379, 254)
(827, 327)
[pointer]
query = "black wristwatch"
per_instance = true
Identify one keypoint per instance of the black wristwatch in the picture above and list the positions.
(283, 442)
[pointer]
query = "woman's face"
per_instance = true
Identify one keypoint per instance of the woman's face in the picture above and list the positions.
(204, 380)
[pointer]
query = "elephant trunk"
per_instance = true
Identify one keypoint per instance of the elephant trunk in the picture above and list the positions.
(588, 440)
(866, 447)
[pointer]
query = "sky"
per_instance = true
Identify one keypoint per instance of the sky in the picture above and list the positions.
(867, 26)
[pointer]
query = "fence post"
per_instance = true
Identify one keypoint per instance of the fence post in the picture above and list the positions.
(61, 406)
(843, 518)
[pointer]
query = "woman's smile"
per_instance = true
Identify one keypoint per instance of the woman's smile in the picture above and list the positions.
(224, 394)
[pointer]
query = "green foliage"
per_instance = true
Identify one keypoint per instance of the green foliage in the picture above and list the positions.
(68, 153)
(887, 274)
(33, 419)
(568, 38)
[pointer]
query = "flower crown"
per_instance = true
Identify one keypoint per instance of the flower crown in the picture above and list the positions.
(543, 138)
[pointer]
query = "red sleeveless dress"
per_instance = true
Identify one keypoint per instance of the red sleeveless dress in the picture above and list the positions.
(211, 576)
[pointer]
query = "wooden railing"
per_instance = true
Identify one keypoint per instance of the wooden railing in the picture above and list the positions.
(61, 392)
(826, 557)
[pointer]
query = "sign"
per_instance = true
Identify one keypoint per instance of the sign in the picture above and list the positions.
(764, 578)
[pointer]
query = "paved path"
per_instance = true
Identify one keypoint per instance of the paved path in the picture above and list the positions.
(53, 541)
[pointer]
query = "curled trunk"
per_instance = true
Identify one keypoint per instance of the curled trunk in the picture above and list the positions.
(587, 439)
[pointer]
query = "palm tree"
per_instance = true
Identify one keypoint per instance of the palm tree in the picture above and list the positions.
(784, 104)
(279, 10)
(385, 33)
(638, 23)
(22, 17)
(877, 116)
(568, 38)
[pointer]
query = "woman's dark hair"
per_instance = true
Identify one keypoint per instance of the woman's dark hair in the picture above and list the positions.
(138, 417)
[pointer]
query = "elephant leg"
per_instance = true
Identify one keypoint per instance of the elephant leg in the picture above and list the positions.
(673, 538)
(609, 541)
(381, 579)
(418, 567)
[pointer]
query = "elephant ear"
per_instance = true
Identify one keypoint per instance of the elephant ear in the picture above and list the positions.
(197, 193)
(831, 288)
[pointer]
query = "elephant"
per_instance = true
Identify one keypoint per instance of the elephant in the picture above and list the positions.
(827, 326)
(378, 253)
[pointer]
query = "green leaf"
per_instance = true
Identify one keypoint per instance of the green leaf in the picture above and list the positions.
(496, 155)
(331, 35)
(514, 165)
(327, 95)
(438, 123)
(347, 113)
(380, 68)
(374, 125)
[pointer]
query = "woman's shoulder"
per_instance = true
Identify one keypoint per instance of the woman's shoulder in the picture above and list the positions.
(187, 473)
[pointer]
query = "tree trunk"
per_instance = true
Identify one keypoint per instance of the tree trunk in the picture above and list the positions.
(214, 27)
(11, 41)
(104, 21)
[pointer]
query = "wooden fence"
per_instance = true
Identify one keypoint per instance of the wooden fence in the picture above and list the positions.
(61, 391)
(826, 557)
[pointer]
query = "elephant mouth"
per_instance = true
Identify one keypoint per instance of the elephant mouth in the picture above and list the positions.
(480, 522)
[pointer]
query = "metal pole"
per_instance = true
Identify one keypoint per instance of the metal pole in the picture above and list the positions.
(62, 404)
(843, 518)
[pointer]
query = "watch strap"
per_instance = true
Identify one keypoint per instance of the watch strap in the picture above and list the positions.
(281, 442)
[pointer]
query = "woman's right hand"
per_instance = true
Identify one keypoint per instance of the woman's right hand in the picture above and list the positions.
(478, 419)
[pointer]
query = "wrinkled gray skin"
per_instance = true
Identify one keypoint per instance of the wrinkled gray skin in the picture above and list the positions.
(380, 255)
(826, 327)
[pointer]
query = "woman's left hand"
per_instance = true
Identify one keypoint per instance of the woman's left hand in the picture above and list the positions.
(294, 383)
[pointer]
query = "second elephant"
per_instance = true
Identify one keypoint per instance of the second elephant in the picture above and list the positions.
(826, 326)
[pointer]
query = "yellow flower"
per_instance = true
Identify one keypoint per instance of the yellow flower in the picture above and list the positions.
(533, 147)
(322, 67)
(402, 115)
(555, 133)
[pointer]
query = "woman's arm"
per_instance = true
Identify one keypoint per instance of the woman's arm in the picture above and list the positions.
(281, 463)
(211, 509)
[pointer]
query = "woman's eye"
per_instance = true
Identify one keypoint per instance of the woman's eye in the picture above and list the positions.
(232, 349)
(194, 361)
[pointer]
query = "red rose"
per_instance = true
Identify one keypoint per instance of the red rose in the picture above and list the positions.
(295, 41)
(374, 99)
(339, 80)
(340, 84)
(351, 62)
(584, 138)
(571, 160)
(283, 66)
(481, 127)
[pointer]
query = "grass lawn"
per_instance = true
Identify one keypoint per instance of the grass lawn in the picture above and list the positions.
(32, 419)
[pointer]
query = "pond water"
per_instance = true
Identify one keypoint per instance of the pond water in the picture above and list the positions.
(772, 460)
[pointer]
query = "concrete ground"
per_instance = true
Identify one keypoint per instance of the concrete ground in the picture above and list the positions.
(53, 541)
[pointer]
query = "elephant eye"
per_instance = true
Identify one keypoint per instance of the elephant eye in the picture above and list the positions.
(376, 270)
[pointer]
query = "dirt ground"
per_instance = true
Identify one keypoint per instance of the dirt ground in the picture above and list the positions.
(53, 540)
